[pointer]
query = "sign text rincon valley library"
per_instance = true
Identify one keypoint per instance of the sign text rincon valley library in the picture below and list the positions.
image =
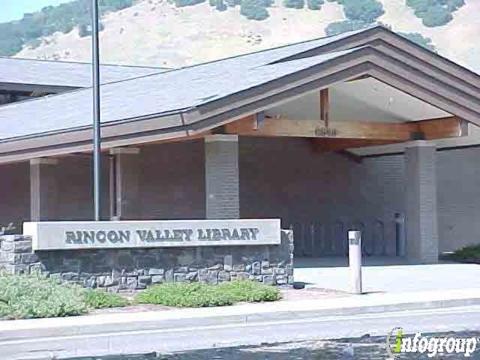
(62, 235)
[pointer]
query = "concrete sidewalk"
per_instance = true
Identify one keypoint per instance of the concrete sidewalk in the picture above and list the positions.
(238, 314)
(389, 275)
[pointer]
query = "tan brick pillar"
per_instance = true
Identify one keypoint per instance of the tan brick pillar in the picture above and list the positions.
(124, 183)
(43, 189)
(421, 202)
(222, 177)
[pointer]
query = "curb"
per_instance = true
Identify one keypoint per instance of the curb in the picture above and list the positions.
(71, 329)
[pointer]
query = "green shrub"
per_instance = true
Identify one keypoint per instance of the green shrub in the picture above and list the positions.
(471, 252)
(249, 291)
(203, 295)
(97, 299)
(35, 297)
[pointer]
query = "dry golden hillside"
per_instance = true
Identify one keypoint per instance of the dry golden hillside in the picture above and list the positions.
(154, 32)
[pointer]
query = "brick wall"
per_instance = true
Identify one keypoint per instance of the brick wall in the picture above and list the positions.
(172, 182)
(321, 195)
(14, 194)
(458, 177)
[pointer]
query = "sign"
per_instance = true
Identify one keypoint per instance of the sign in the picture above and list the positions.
(325, 132)
(60, 235)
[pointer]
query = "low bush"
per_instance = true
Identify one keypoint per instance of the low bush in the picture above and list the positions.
(25, 297)
(249, 291)
(203, 295)
(28, 297)
(467, 253)
(97, 299)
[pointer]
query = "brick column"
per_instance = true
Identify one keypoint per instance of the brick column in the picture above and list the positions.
(43, 189)
(125, 179)
(222, 177)
(421, 202)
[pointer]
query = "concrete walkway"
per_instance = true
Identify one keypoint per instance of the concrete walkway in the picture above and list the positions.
(392, 275)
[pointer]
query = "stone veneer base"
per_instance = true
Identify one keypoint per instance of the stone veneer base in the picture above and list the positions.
(134, 269)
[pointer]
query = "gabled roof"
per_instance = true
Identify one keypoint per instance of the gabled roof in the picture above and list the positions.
(62, 74)
(190, 100)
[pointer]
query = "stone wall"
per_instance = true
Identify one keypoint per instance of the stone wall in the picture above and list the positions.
(132, 269)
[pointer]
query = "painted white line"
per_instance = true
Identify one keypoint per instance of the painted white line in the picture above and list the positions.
(389, 315)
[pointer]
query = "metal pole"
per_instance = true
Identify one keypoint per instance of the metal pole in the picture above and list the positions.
(355, 260)
(97, 151)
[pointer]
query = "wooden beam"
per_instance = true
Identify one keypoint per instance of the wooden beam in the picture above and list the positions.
(330, 145)
(394, 132)
(442, 128)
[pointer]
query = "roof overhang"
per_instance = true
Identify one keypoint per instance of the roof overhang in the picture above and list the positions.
(384, 56)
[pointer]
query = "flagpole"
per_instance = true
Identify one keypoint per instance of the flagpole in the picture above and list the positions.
(97, 151)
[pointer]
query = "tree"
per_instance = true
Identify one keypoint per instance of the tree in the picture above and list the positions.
(363, 10)
(435, 12)
(254, 9)
(315, 4)
(220, 6)
(233, 3)
(294, 4)
(62, 18)
(182, 3)
(437, 16)
(340, 27)
(420, 40)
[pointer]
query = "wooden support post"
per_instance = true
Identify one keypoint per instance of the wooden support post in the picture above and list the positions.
(324, 106)
(259, 119)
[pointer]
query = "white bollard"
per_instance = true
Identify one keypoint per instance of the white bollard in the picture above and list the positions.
(355, 260)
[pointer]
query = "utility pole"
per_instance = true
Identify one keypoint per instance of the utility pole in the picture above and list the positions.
(97, 136)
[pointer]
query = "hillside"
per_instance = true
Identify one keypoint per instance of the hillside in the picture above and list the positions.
(156, 32)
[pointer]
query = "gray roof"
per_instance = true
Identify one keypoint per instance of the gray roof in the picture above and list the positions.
(157, 94)
(200, 93)
(64, 74)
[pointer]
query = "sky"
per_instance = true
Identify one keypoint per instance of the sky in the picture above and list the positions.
(14, 9)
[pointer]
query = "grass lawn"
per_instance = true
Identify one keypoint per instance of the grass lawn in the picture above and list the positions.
(27, 297)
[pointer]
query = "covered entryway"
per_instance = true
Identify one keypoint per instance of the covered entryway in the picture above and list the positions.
(387, 274)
